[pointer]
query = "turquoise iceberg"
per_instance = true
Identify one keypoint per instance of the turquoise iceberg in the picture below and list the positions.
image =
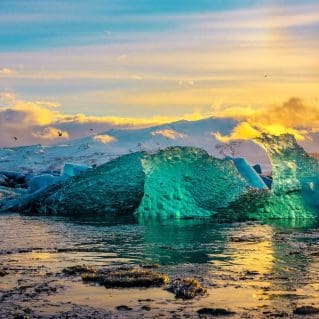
(186, 182)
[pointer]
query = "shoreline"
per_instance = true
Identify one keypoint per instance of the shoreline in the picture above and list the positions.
(251, 270)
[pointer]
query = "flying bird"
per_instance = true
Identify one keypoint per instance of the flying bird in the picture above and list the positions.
(15, 138)
(60, 133)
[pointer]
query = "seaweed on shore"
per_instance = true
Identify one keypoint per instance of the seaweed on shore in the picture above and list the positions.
(126, 277)
(187, 288)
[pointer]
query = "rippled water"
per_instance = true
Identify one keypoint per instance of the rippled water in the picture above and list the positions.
(244, 265)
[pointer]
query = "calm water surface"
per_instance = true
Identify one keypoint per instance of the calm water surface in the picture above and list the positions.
(244, 265)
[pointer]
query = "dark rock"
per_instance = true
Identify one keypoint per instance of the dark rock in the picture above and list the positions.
(149, 266)
(13, 175)
(13, 179)
(187, 288)
(257, 168)
(316, 253)
(267, 180)
(3, 273)
(245, 238)
(215, 312)
(123, 308)
(27, 310)
(146, 308)
(145, 300)
(306, 310)
(279, 315)
(251, 272)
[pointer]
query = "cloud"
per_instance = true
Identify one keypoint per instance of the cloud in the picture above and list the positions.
(105, 139)
(169, 134)
(293, 116)
(122, 57)
(6, 98)
(51, 133)
(272, 17)
(16, 112)
(5, 72)
(241, 131)
(41, 121)
(210, 56)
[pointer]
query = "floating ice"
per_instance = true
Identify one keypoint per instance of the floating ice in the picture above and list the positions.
(292, 167)
(114, 187)
(3, 179)
(295, 186)
(13, 175)
(42, 181)
(70, 169)
(186, 182)
(248, 173)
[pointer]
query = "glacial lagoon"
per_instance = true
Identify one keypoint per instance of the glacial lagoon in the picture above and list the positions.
(254, 269)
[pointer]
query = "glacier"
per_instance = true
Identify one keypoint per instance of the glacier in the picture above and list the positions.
(186, 182)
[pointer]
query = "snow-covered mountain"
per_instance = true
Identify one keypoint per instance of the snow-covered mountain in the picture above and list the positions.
(100, 148)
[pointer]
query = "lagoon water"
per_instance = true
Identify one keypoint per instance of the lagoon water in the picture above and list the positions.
(254, 269)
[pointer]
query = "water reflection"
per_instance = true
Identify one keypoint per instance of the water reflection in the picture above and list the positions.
(183, 241)
(273, 263)
(186, 241)
(253, 251)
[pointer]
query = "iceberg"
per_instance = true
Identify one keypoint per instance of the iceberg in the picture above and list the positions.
(295, 186)
(177, 182)
(39, 182)
(70, 169)
(11, 197)
(292, 167)
(114, 187)
(186, 182)
(3, 179)
(248, 173)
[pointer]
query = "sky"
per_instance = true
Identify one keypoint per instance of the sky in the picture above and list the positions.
(93, 65)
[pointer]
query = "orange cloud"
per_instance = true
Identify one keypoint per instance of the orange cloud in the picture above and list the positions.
(242, 131)
(169, 134)
(105, 139)
(26, 122)
(51, 133)
(5, 72)
(41, 121)
(16, 112)
(293, 116)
